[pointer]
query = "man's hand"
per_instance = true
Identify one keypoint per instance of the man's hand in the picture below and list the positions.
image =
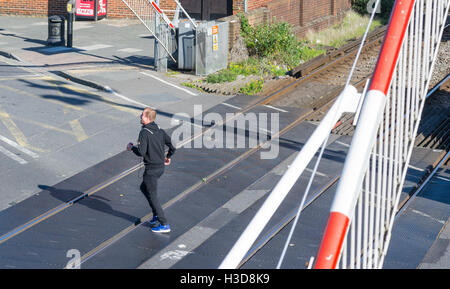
(167, 162)
(129, 146)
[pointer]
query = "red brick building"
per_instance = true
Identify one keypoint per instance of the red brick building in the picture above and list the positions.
(301, 14)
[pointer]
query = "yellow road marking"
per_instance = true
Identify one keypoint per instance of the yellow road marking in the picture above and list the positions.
(78, 130)
(44, 125)
(13, 129)
(16, 132)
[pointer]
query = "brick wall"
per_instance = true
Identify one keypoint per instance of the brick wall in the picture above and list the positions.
(296, 12)
(301, 14)
(32, 7)
(319, 14)
(116, 8)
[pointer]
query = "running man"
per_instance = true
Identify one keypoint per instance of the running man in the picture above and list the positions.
(150, 146)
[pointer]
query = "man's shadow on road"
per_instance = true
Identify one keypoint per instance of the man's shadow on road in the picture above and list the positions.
(93, 202)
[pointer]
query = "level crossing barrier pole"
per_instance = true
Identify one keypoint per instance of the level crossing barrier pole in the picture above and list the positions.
(346, 102)
(361, 216)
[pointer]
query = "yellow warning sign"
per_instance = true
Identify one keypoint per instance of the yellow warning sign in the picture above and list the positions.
(215, 42)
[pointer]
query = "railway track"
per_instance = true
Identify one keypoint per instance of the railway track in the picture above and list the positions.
(434, 130)
(331, 76)
(328, 73)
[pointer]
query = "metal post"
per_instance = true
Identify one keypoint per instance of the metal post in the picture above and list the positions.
(156, 50)
(160, 54)
(71, 11)
(70, 30)
(95, 10)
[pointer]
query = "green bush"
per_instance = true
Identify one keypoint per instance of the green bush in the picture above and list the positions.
(352, 26)
(252, 66)
(244, 68)
(276, 42)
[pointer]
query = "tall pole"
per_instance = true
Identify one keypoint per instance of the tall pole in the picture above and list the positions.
(70, 11)
(160, 56)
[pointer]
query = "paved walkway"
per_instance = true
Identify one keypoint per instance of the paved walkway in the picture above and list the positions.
(112, 55)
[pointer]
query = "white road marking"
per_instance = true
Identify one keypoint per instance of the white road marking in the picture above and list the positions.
(19, 147)
(444, 179)
(428, 216)
(230, 105)
(171, 84)
(130, 100)
(317, 172)
(12, 156)
(129, 50)
(276, 108)
(94, 47)
(343, 144)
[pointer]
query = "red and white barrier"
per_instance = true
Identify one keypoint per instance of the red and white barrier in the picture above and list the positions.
(364, 136)
(164, 16)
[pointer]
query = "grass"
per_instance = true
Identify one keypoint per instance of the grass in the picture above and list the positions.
(172, 73)
(252, 66)
(192, 85)
(353, 26)
(253, 87)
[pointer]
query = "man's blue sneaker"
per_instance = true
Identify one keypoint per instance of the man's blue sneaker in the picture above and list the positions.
(161, 229)
(153, 221)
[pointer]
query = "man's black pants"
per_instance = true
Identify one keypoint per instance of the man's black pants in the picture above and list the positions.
(149, 188)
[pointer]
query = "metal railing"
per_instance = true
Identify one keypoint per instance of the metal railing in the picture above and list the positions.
(362, 215)
(375, 167)
(147, 13)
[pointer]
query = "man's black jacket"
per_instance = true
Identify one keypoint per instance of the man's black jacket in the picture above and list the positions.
(151, 146)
